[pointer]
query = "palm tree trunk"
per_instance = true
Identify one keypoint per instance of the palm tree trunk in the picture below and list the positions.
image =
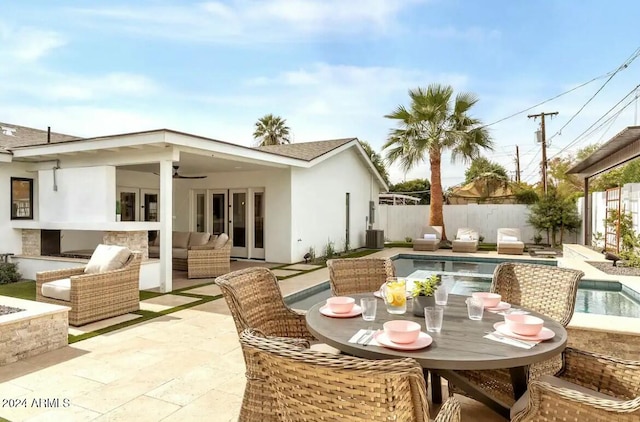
(435, 208)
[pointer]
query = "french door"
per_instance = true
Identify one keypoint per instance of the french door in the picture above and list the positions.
(238, 217)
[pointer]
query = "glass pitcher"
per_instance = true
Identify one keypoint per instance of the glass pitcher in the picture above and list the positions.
(394, 293)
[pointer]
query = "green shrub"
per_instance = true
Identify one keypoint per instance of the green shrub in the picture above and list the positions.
(9, 273)
(329, 250)
(408, 239)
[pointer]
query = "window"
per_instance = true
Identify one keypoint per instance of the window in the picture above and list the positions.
(21, 198)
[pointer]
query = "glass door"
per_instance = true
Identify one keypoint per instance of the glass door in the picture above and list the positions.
(218, 212)
(150, 203)
(128, 198)
(238, 222)
(199, 223)
(257, 242)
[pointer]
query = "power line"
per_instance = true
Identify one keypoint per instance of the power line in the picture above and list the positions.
(550, 99)
(624, 65)
(577, 139)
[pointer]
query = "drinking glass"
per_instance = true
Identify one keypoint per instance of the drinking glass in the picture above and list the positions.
(433, 318)
(475, 308)
(441, 295)
(394, 293)
(369, 306)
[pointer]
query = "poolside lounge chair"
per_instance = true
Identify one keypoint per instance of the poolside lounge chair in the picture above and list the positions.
(108, 286)
(430, 240)
(466, 241)
(358, 275)
(510, 242)
(313, 386)
(548, 290)
(590, 388)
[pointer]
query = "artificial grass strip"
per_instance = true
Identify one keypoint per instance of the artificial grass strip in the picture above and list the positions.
(146, 294)
(146, 316)
(25, 289)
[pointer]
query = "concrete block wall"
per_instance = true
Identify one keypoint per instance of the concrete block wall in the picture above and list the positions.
(134, 240)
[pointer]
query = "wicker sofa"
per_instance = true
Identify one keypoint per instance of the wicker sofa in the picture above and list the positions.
(199, 253)
(93, 296)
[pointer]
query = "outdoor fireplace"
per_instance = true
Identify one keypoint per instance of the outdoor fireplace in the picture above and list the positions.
(50, 242)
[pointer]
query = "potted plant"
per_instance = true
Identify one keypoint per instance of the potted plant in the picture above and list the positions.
(423, 291)
(118, 211)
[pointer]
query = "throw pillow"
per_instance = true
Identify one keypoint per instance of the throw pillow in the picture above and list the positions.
(180, 240)
(220, 241)
(107, 258)
(198, 239)
(509, 238)
(430, 236)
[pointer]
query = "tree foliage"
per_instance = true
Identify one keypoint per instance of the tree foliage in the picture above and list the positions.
(421, 187)
(483, 167)
(271, 130)
(377, 161)
(554, 215)
(434, 122)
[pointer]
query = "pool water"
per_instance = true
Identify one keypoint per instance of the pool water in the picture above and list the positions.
(466, 277)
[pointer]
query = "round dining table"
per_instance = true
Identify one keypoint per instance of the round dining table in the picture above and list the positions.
(460, 345)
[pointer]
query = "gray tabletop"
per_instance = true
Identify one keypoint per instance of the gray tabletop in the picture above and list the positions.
(459, 346)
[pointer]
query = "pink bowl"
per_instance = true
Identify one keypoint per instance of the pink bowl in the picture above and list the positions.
(341, 304)
(525, 325)
(401, 331)
(491, 300)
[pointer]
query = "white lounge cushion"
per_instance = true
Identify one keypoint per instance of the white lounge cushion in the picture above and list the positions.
(179, 253)
(58, 289)
(107, 258)
(221, 241)
(198, 239)
(509, 239)
(430, 236)
(465, 237)
(180, 240)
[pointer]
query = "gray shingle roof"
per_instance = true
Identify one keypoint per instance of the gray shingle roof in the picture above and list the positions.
(20, 136)
(306, 150)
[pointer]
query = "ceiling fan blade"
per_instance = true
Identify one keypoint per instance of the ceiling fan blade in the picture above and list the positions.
(178, 176)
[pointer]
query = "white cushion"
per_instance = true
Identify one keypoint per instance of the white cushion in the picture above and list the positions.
(179, 253)
(180, 240)
(221, 241)
(107, 258)
(465, 237)
(57, 289)
(198, 239)
(430, 236)
(509, 239)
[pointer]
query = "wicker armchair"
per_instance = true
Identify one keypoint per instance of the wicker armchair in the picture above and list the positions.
(548, 290)
(96, 296)
(255, 300)
(358, 275)
(314, 386)
(205, 262)
(590, 388)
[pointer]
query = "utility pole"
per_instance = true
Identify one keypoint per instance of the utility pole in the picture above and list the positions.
(517, 164)
(544, 144)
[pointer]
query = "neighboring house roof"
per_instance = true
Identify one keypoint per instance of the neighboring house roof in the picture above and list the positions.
(306, 150)
(482, 191)
(12, 136)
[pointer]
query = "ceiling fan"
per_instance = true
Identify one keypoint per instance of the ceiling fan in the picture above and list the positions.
(177, 175)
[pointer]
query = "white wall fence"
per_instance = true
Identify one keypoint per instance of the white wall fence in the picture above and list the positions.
(401, 221)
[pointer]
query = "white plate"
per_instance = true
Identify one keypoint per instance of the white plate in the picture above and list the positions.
(502, 306)
(544, 334)
(355, 311)
(423, 341)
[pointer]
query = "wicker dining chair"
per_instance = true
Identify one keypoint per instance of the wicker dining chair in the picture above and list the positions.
(545, 289)
(255, 301)
(315, 386)
(590, 388)
(358, 275)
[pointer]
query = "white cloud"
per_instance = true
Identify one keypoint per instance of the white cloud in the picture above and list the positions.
(25, 44)
(253, 20)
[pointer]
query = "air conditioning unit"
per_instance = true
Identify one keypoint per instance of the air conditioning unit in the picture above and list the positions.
(375, 239)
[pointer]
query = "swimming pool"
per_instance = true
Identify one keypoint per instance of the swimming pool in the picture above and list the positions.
(466, 276)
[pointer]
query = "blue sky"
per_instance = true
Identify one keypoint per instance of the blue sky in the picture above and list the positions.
(332, 68)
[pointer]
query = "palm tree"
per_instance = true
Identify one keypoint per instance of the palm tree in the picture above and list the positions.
(435, 122)
(271, 130)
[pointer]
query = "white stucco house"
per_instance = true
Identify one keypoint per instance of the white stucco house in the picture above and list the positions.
(275, 202)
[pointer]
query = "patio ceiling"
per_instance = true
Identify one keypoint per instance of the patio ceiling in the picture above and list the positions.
(194, 164)
(623, 147)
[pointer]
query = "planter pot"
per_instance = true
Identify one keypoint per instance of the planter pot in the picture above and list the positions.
(420, 302)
